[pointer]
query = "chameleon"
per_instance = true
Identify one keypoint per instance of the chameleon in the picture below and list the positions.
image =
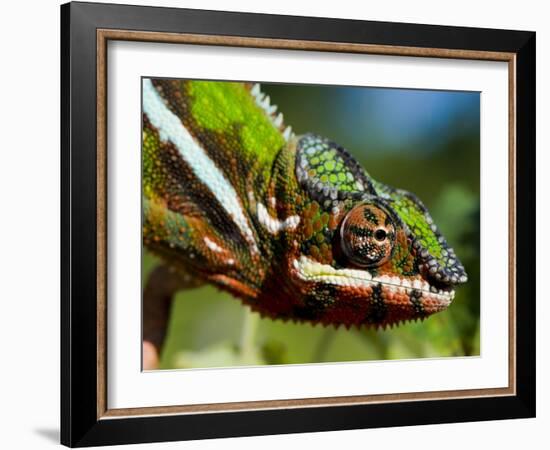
(292, 225)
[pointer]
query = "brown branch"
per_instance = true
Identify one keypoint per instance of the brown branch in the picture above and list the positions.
(162, 285)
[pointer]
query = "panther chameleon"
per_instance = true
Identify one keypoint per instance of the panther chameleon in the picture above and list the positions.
(291, 225)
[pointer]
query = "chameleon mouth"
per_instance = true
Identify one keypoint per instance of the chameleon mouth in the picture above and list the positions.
(310, 270)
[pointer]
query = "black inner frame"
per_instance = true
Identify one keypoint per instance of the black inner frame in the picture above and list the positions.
(79, 424)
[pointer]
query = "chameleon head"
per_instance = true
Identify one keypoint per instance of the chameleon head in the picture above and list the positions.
(388, 264)
(370, 254)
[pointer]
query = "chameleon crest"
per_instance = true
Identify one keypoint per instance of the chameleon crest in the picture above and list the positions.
(292, 225)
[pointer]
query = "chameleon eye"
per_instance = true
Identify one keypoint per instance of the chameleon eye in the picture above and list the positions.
(367, 235)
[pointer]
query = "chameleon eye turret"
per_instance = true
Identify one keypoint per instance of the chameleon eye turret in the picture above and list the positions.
(367, 235)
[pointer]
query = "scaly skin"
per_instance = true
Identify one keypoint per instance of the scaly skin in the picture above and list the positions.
(291, 225)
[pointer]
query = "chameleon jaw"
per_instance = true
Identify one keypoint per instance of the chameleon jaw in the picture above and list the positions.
(313, 271)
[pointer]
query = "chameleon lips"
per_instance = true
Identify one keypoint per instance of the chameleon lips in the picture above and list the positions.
(428, 299)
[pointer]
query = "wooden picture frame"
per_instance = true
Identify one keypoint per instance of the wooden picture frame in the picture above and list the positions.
(86, 418)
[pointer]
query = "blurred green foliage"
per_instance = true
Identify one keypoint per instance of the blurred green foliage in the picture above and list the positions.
(434, 156)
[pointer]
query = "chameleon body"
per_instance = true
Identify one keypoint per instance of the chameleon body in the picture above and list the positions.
(291, 225)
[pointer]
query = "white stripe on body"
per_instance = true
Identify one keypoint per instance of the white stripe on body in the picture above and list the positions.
(171, 129)
(274, 225)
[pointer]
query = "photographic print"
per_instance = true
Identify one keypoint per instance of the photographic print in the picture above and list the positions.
(298, 224)
(256, 207)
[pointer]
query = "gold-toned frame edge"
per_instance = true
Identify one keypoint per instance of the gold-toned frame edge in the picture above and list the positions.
(103, 36)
